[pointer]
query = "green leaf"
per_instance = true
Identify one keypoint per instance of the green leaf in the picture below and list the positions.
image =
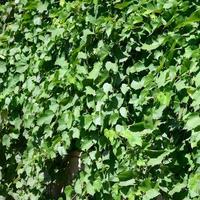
(112, 66)
(86, 144)
(130, 182)
(124, 88)
(158, 160)
(125, 175)
(45, 118)
(60, 61)
(2, 197)
(194, 185)
(113, 119)
(123, 112)
(195, 139)
(61, 150)
(90, 189)
(41, 7)
(68, 191)
(150, 194)
(69, 119)
(137, 85)
(19, 184)
(98, 120)
(97, 185)
(111, 135)
(86, 32)
(164, 98)
(76, 133)
(107, 88)
(57, 32)
(197, 80)
(180, 85)
(122, 5)
(133, 138)
(2, 67)
(161, 80)
(90, 91)
(82, 55)
(192, 122)
(153, 45)
(78, 187)
(177, 188)
(95, 71)
(6, 140)
(87, 121)
(30, 85)
(37, 20)
(157, 113)
(62, 3)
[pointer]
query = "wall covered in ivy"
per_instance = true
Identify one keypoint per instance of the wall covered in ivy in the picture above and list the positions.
(114, 83)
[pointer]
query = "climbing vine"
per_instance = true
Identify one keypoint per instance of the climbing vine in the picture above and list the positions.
(117, 81)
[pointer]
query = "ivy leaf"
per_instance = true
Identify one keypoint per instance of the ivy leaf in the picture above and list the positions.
(69, 119)
(90, 189)
(132, 138)
(161, 80)
(42, 7)
(45, 118)
(61, 150)
(130, 182)
(90, 91)
(19, 184)
(98, 120)
(68, 191)
(37, 20)
(60, 61)
(111, 135)
(164, 98)
(86, 32)
(124, 88)
(107, 88)
(195, 139)
(177, 188)
(123, 112)
(86, 144)
(87, 121)
(76, 133)
(137, 85)
(95, 71)
(194, 185)
(197, 80)
(78, 187)
(6, 140)
(158, 160)
(2, 67)
(150, 194)
(113, 118)
(82, 55)
(62, 2)
(153, 45)
(122, 5)
(111, 66)
(97, 185)
(192, 122)
(180, 85)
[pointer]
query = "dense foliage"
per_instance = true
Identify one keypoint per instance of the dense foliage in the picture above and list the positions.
(118, 80)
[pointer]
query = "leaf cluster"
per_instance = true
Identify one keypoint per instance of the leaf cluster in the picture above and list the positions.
(118, 80)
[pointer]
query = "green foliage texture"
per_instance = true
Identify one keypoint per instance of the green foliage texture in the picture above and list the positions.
(120, 80)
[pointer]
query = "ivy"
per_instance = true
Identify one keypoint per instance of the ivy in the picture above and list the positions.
(117, 81)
